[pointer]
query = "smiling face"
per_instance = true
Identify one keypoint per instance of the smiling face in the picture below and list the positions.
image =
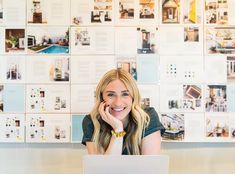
(117, 96)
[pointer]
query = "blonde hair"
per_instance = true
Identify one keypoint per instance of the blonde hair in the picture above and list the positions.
(138, 119)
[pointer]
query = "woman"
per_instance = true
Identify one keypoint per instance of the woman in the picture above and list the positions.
(117, 124)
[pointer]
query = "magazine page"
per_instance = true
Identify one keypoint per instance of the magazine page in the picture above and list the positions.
(45, 69)
(219, 40)
(181, 69)
(51, 12)
(13, 97)
(174, 123)
(217, 127)
(48, 40)
(80, 12)
(89, 69)
(129, 64)
(126, 12)
(149, 96)
(231, 12)
(231, 69)
(192, 11)
(82, 98)
(216, 98)
(230, 98)
(59, 126)
(37, 129)
(194, 127)
(47, 128)
(170, 11)
(48, 99)
(14, 41)
(215, 69)
(124, 37)
(12, 69)
(76, 129)
(181, 98)
(148, 68)
(180, 40)
(12, 128)
(92, 40)
(13, 12)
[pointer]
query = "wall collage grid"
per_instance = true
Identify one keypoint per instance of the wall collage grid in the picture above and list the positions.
(53, 52)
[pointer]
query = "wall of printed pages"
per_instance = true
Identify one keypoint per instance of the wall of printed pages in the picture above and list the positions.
(53, 52)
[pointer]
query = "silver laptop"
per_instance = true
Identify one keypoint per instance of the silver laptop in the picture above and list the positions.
(125, 164)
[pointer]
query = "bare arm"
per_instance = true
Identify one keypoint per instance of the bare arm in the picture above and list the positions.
(116, 143)
(114, 148)
(151, 144)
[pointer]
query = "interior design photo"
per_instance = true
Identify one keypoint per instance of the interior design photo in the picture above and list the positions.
(174, 125)
(147, 9)
(47, 41)
(15, 40)
(170, 11)
(216, 98)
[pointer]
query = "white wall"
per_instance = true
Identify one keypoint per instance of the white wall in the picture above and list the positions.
(185, 158)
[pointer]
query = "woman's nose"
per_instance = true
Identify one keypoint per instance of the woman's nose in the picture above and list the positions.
(117, 101)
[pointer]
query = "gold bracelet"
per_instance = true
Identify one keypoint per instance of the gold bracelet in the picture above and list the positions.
(118, 134)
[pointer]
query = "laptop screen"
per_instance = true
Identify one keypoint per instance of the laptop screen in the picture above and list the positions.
(125, 164)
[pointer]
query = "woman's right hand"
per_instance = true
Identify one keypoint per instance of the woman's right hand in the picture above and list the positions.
(116, 124)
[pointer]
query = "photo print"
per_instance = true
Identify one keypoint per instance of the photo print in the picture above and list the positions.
(1, 11)
(37, 13)
(1, 98)
(230, 69)
(216, 98)
(146, 40)
(48, 40)
(191, 34)
(14, 40)
(14, 69)
(170, 11)
(192, 11)
(128, 65)
(102, 12)
(216, 12)
(174, 125)
(147, 9)
(126, 9)
(217, 126)
(220, 40)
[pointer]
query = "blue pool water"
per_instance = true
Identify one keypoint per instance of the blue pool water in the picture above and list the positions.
(56, 49)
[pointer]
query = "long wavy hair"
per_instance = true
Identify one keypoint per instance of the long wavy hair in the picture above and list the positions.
(138, 119)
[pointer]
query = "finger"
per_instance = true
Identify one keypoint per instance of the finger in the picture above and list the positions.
(102, 112)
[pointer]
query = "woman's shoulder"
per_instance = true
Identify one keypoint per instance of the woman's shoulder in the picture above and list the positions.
(87, 121)
(150, 111)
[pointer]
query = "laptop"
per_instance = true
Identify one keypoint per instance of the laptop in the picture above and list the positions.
(125, 164)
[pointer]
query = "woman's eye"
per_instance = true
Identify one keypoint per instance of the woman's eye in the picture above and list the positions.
(110, 95)
(125, 94)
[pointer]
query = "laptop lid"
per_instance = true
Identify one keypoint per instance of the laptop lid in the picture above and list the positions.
(125, 164)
